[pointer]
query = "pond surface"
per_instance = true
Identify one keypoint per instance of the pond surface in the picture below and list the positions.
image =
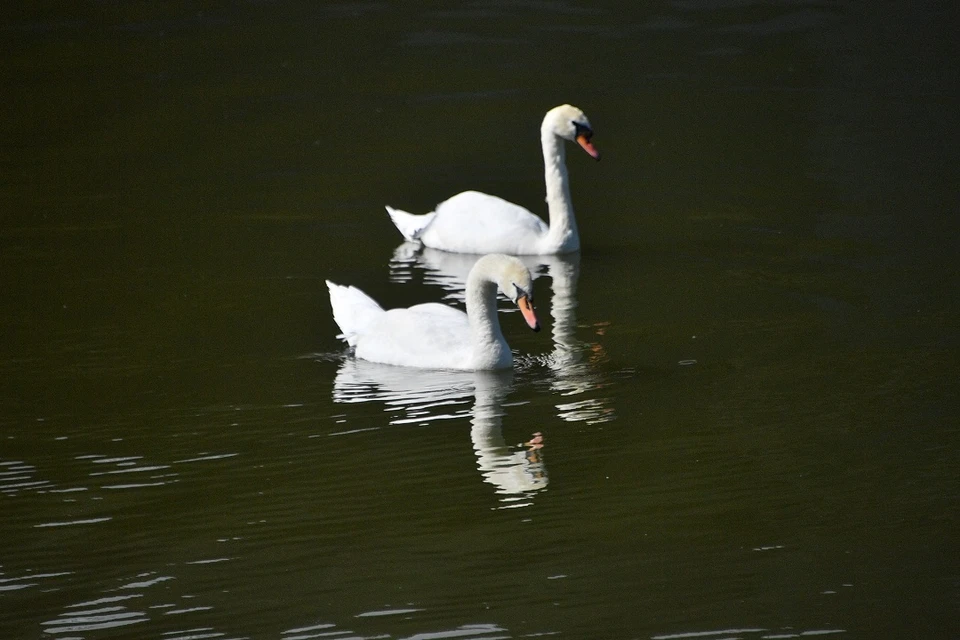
(739, 421)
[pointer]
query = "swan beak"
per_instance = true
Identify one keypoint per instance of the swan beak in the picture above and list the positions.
(584, 142)
(526, 308)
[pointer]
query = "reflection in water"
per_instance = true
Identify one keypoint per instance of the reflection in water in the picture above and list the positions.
(462, 632)
(758, 632)
(571, 361)
(449, 270)
(98, 615)
(17, 476)
(425, 395)
(517, 473)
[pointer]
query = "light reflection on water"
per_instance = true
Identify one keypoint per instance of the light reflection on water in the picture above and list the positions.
(424, 396)
(105, 473)
(763, 634)
(568, 370)
(572, 363)
(104, 614)
(449, 271)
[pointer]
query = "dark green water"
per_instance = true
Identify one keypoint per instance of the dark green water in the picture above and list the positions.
(746, 386)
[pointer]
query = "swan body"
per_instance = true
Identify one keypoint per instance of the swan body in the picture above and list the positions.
(433, 335)
(474, 222)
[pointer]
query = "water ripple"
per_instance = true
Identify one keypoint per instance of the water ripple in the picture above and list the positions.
(17, 476)
(15, 584)
(386, 612)
(425, 396)
(736, 632)
(325, 631)
(70, 523)
(94, 620)
(146, 583)
(463, 631)
(194, 634)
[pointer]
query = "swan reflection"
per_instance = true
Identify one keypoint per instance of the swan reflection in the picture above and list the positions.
(419, 396)
(572, 362)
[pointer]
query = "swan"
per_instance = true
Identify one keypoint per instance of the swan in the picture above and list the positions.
(474, 222)
(433, 335)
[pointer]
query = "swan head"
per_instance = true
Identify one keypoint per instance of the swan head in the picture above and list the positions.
(570, 123)
(514, 281)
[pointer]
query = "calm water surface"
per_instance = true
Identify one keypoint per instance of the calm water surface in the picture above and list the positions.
(740, 420)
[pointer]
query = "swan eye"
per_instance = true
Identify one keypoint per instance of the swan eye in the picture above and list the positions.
(582, 130)
(521, 293)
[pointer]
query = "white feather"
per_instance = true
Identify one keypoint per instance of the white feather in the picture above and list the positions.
(433, 335)
(474, 222)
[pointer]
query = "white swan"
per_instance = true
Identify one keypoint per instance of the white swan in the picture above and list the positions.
(474, 222)
(433, 335)
(577, 377)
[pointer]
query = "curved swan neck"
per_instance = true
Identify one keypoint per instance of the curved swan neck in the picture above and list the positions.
(563, 233)
(489, 346)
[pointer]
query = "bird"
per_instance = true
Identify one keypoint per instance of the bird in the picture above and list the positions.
(475, 222)
(433, 335)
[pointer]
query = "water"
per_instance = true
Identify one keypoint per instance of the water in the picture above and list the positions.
(739, 420)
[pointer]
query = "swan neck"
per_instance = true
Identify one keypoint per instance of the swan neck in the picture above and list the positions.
(489, 346)
(563, 227)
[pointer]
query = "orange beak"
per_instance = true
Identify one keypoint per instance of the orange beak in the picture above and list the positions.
(523, 302)
(584, 142)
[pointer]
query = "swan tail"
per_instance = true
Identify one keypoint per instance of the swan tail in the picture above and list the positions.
(353, 311)
(410, 225)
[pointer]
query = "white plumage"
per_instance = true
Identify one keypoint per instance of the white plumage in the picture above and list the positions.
(433, 335)
(474, 222)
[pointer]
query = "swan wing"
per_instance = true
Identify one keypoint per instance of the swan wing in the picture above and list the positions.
(474, 222)
(428, 335)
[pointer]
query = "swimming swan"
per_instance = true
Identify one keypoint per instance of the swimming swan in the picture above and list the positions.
(433, 335)
(474, 222)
